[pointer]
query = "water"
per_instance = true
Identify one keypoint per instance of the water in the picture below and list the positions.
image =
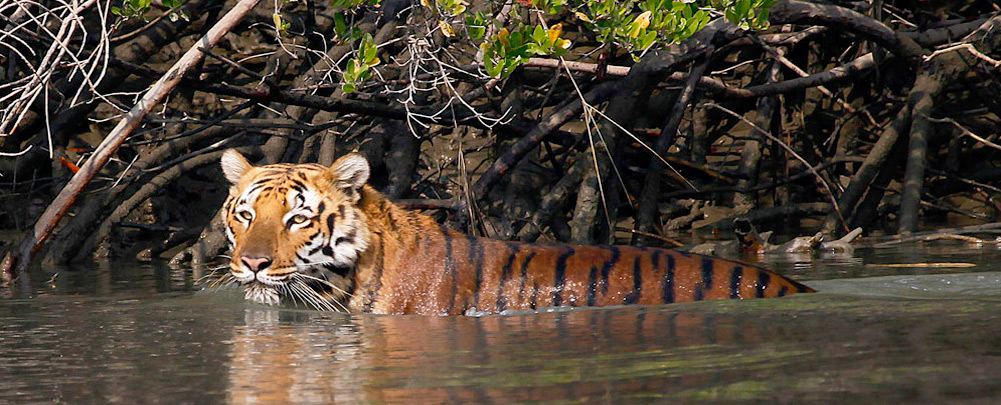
(141, 334)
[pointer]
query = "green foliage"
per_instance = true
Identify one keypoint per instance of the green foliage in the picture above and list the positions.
(659, 22)
(747, 14)
(476, 25)
(280, 24)
(359, 68)
(446, 8)
(351, 4)
(507, 50)
(136, 8)
(131, 8)
(635, 26)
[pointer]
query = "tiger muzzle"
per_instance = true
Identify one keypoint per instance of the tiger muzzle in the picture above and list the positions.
(256, 263)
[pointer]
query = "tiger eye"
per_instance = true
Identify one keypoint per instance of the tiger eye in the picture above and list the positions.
(245, 215)
(299, 218)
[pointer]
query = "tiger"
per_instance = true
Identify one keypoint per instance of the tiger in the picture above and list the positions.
(321, 236)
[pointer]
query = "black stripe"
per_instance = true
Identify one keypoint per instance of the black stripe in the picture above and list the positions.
(592, 281)
(376, 284)
(300, 186)
(524, 275)
(735, 276)
(535, 294)
(315, 250)
(783, 291)
(559, 276)
(450, 269)
(667, 287)
(706, 285)
(330, 225)
(655, 259)
(763, 280)
(607, 267)
(476, 257)
(340, 271)
(327, 250)
(506, 275)
(391, 221)
(634, 295)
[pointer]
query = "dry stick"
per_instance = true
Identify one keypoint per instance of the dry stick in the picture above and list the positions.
(658, 237)
(969, 48)
(965, 131)
(50, 218)
(929, 238)
(880, 240)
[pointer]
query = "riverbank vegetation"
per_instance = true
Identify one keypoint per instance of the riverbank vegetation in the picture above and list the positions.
(611, 121)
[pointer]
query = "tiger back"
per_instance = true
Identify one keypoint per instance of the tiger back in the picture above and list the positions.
(322, 237)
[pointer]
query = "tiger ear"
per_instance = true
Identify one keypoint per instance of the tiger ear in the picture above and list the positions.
(234, 165)
(350, 172)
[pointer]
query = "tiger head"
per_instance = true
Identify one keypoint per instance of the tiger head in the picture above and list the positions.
(295, 229)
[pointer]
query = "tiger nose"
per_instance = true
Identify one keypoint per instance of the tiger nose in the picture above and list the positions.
(256, 264)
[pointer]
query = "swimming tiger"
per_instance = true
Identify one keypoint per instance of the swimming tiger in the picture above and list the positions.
(323, 237)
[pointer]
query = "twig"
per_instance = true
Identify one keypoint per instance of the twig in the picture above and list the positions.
(658, 237)
(965, 131)
(55, 211)
(969, 48)
(983, 228)
(230, 62)
(929, 238)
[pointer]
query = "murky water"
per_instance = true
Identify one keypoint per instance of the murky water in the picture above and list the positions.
(141, 334)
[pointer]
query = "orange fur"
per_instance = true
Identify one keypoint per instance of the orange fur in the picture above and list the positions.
(384, 259)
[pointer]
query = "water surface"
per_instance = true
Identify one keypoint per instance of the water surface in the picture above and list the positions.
(132, 333)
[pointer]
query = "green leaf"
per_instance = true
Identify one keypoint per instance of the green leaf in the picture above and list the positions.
(539, 34)
(647, 39)
(340, 25)
(742, 7)
(494, 69)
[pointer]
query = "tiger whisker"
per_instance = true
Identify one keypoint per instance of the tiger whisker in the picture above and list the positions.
(327, 303)
(308, 293)
(213, 271)
(295, 294)
(223, 280)
(329, 284)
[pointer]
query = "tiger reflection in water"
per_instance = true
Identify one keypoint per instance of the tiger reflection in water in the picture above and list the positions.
(282, 356)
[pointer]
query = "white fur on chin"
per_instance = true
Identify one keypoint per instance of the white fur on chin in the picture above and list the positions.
(261, 294)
